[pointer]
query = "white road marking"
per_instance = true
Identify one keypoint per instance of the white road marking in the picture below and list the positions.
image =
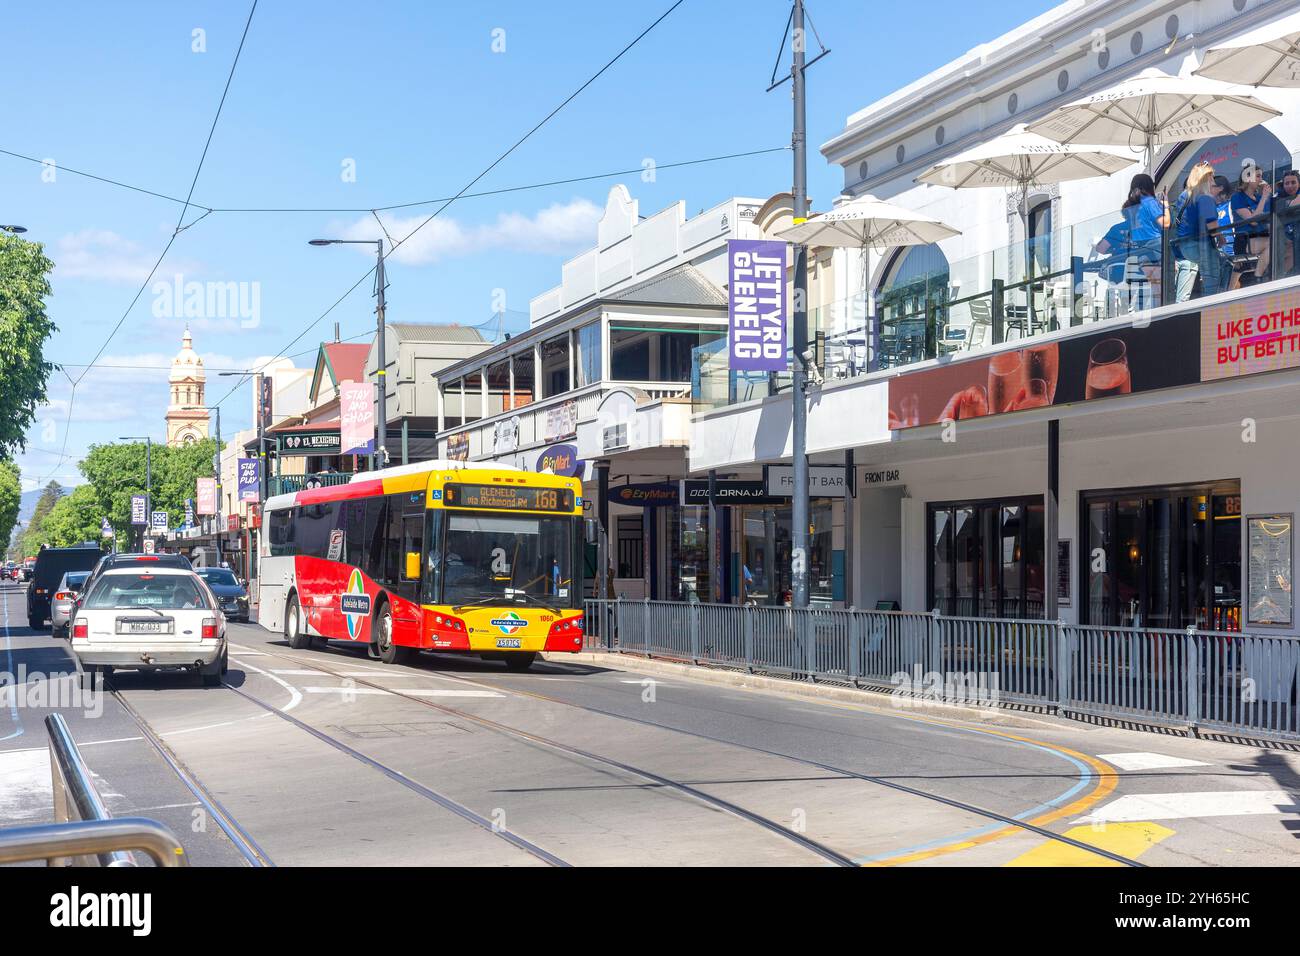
(443, 692)
(377, 691)
(295, 698)
(1179, 806)
(248, 654)
(25, 789)
(224, 723)
(1143, 760)
(294, 673)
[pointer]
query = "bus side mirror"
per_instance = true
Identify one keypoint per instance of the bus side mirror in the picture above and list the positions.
(412, 566)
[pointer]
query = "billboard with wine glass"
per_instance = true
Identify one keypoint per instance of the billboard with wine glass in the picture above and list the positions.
(1120, 361)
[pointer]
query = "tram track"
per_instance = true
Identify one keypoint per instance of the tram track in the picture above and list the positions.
(973, 809)
(243, 841)
(825, 852)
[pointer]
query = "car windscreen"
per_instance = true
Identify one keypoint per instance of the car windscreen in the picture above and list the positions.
(162, 591)
(218, 576)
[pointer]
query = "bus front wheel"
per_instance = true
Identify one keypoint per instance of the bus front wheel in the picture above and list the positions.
(389, 652)
(293, 627)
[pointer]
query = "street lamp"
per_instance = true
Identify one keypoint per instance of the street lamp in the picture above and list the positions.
(216, 463)
(148, 481)
(381, 362)
(16, 230)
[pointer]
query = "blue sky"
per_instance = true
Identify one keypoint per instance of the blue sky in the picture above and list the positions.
(414, 95)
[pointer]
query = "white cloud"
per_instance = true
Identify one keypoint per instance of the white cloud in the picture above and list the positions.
(103, 255)
(559, 228)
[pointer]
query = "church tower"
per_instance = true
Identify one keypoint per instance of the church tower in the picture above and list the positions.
(186, 425)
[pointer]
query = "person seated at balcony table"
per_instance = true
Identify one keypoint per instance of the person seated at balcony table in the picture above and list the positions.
(1227, 231)
(1197, 238)
(1147, 216)
(1287, 202)
(1251, 204)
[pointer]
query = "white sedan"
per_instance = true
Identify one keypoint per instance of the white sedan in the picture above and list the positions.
(150, 619)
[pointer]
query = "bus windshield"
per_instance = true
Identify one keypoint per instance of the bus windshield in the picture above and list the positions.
(494, 558)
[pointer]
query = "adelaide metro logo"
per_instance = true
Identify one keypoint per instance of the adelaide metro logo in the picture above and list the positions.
(355, 604)
(510, 623)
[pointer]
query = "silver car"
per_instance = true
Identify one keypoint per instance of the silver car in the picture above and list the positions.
(64, 603)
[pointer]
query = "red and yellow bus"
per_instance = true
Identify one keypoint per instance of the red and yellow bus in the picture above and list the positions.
(438, 556)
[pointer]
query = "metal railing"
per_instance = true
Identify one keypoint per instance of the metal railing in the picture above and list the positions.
(1211, 680)
(84, 832)
(286, 484)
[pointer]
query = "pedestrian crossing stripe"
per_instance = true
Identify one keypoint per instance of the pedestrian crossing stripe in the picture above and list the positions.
(1129, 840)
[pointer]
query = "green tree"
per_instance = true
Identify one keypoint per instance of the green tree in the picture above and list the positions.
(34, 536)
(11, 494)
(116, 472)
(73, 519)
(24, 331)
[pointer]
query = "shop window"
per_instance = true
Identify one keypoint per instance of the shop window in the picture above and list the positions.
(765, 569)
(589, 349)
(656, 353)
(555, 366)
(986, 558)
(525, 389)
(631, 547)
(688, 554)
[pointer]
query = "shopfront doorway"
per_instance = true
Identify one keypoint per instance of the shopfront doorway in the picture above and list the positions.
(1163, 557)
(765, 555)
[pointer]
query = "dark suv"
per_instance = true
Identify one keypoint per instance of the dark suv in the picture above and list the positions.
(51, 565)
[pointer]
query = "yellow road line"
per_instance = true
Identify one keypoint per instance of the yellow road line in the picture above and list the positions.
(1126, 839)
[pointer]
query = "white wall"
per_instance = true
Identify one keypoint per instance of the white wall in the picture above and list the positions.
(1266, 468)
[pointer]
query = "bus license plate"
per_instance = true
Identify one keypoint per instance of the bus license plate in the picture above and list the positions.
(508, 642)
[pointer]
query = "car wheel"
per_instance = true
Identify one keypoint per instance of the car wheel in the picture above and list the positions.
(294, 629)
(36, 624)
(389, 652)
(520, 662)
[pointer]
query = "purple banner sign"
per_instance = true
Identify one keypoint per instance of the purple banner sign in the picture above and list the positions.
(756, 340)
(250, 479)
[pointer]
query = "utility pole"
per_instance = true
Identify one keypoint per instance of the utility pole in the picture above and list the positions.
(148, 490)
(381, 363)
(216, 461)
(799, 505)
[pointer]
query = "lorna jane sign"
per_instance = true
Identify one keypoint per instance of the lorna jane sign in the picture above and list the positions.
(756, 340)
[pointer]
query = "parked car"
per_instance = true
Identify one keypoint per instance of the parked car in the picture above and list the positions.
(65, 601)
(51, 565)
(158, 618)
(231, 594)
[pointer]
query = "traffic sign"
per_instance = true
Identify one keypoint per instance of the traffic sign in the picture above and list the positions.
(159, 522)
(106, 529)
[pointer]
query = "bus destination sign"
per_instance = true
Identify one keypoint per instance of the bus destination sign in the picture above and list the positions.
(507, 497)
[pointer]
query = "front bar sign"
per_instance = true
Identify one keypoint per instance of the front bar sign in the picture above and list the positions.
(756, 339)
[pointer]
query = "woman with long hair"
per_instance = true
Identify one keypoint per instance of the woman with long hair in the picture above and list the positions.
(1147, 216)
(1197, 247)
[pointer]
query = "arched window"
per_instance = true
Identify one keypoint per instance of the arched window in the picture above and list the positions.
(914, 282)
(1225, 154)
(1040, 235)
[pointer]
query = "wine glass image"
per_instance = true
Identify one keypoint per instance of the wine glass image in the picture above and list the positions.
(1108, 372)
(1041, 362)
(1034, 395)
(1006, 379)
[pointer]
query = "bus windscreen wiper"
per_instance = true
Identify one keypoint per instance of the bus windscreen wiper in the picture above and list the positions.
(479, 601)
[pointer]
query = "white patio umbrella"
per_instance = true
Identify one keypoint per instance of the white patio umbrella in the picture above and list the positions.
(1154, 108)
(1268, 56)
(868, 223)
(1018, 160)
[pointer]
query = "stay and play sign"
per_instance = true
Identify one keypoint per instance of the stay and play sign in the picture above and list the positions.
(756, 337)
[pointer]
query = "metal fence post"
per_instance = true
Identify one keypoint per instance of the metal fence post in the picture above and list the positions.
(936, 643)
(1193, 659)
(855, 649)
(611, 619)
(1064, 665)
(997, 306)
(747, 628)
(695, 632)
(645, 627)
(804, 616)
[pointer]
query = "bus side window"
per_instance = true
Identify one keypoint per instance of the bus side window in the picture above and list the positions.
(376, 526)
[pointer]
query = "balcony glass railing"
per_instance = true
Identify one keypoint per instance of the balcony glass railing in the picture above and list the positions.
(1085, 272)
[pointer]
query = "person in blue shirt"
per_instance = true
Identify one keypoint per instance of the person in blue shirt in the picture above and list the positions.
(1223, 186)
(1198, 226)
(1251, 204)
(1147, 216)
(1115, 244)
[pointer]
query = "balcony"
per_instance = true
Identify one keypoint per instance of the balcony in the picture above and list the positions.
(1081, 274)
(288, 484)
